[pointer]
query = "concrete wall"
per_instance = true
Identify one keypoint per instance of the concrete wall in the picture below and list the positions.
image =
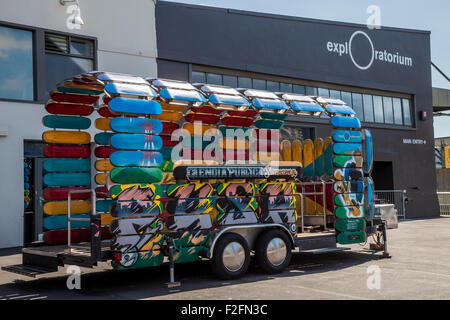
(126, 43)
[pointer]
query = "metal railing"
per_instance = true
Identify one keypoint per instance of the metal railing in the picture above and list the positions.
(395, 197)
(70, 219)
(444, 203)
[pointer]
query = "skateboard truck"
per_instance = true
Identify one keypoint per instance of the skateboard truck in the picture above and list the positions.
(172, 283)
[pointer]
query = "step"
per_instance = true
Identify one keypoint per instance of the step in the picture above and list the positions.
(27, 270)
(315, 241)
(324, 250)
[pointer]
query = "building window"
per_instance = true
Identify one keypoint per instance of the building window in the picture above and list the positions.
(16, 64)
(66, 56)
(381, 108)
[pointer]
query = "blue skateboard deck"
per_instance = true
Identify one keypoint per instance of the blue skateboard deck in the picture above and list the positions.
(103, 138)
(103, 205)
(368, 151)
(136, 125)
(338, 109)
(346, 174)
(59, 222)
(348, 187)
(67, 179)
(66, 122)
(345, 122)
(136, 141)
(123, 209)
(347, 149)
(134, 106)
(67, 165)
(348, 136)
(130, 89)
(369, 197)
(136, 158)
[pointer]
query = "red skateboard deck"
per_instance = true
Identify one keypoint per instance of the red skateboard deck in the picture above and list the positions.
(201, 117)
(167, 141)
(248, 113)
(76, 235)
(206, 109)
(267, 134)
(61, 193)
(169, 127)
(67, 151)
(105, 112)
(237, 121)
(106, 99)
(69, 109)
(104, 151)
(102, 192)
(73, 98)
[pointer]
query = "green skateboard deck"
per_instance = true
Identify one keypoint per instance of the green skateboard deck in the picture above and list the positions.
(103, 205)
(103, 138)
(91, 92)
(328, 156)
(67, 179)
(136, 175)
(273, 116)
(345, 225)
(67, 165)
(268, 124)
(351, 237)
(66, 122)
(347, 161)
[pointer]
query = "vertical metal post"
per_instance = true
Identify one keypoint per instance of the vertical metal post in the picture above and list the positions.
(172, 283)
(69, 232)
(324, 207)
(385, 252)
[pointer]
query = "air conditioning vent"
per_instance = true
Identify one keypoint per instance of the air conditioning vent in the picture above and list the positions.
(56, 43)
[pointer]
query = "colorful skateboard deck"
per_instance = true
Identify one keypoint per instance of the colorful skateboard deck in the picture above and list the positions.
(318, 157)
(55, 193)
(61, 207)
(129, 192)
(138, 208)
(308, 158)
(348, 186)
(66, 122)
(68, 109)
(60, 222)
(273, 116)
(173, 107)
(351, 237)
(347, 161)
(137, 226)
(134, 106)
(136, 125)
(102, 192)
(167, 141)
(101, 178)
(350, 212)
(297, 154)
(67, 179)
(167, 166)
(189, 190)
(103, 124)
(345, 122)
(268, 124)
(103, 165)
(136, 158)
(277, 188)
(172, 116)
(191, 222)
(103, 151)
(67, 151)
(103, 138)
(278, 216)
(198, 129)
(328, 156)
(136, 141)
(73, 98)
(190, 205)
(201, 117)
(66, 137)
(345, 174)
(348, 136)
(367, 150)
(347, 149)
(349, 199)
(205, 109)
(103, 205)
(67, 165)
(286, 150)
(136, 175)
(130, 89)
(346, 225)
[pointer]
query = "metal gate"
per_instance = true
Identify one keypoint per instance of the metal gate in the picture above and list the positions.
(395, 197)
(444, 203)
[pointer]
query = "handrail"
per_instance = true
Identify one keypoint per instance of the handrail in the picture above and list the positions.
(69, 215)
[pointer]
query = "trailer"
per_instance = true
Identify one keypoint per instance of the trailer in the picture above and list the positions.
(189, 172)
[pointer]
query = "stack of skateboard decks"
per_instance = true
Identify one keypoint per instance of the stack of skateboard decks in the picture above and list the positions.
(349, 195)
(67, 166)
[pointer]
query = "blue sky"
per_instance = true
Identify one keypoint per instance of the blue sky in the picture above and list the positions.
(431, 15)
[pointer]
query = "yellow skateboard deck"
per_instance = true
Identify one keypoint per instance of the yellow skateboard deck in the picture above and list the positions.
(308, 158)
(103, 165)
(286, 150)
(235, 144)
(103, 124)
(70, 84)
(173, 116)
(101, 178)
(190, 127)
(106, 219)
(60, 207)
(318, 157)
(297, 151)
(266, 156)
(66, 137)
(172, 107)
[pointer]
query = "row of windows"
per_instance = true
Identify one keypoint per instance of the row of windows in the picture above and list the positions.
(369, 108)
(62, 57)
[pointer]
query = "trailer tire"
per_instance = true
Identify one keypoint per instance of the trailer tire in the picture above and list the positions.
(273, 251)
(231, 256)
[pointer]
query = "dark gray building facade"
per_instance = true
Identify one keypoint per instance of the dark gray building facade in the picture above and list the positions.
(383, 74)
